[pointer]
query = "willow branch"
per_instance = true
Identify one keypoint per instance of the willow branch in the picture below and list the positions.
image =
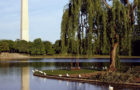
(135, 4)
(106, 4)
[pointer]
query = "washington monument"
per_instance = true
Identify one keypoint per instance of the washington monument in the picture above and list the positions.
(24, 20)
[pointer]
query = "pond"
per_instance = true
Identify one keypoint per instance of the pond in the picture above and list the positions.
(17, 74)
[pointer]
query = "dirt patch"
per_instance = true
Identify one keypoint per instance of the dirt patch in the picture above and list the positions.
(4, 56)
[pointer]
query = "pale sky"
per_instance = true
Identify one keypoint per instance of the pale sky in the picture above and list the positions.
(44, 19)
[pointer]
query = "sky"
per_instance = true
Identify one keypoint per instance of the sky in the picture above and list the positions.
(44, 19)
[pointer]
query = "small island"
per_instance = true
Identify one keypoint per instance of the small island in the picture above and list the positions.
(130, 78)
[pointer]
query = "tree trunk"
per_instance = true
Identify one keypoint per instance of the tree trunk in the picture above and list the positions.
(113, 57)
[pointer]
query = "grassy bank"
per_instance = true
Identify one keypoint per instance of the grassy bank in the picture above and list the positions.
(82, 56)
(130, 76)
(8, 56)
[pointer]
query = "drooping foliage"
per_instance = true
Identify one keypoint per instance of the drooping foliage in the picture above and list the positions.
(89, 27)
(93, 27)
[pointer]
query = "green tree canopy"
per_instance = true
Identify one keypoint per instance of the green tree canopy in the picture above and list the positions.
(49, 48)
(38, 47)
(57, 46)
(4, 46)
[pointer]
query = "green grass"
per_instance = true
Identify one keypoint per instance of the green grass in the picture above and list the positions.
(64, 72)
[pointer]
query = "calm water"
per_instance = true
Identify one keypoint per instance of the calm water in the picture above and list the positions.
(17, 75)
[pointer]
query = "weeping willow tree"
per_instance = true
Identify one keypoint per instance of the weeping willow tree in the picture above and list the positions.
(94, 27)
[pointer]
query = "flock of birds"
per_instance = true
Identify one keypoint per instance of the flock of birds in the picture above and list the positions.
(67, 75)
(60, 75)
(39, 72)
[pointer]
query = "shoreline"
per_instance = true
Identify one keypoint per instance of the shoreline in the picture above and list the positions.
(132, 85)
(14, 56)
(66, 57)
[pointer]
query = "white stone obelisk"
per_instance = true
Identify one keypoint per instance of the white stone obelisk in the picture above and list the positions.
(24, 20)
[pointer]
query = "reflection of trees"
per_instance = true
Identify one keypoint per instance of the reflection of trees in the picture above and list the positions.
(75, 64)
(25, 78)
(56, 64)
(76, 86)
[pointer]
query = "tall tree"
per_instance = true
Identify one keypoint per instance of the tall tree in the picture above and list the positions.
(92, 26)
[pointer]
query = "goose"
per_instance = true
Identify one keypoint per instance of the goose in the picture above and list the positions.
(36, 70)
(40, 71)
(67, 75)
(60, 75)
(110, 87)
(79, 76)
(33, 71)
(105, 67)
(45, 74)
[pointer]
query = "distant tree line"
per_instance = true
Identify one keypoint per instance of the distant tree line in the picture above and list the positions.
(37, 47)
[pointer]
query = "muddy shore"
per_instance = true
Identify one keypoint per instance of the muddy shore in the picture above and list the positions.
(13, 56)
(82, 80)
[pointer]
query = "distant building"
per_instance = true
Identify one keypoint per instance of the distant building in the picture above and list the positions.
(24, 20)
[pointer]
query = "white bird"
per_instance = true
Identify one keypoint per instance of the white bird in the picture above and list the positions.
(105, 67)
(67, 75)
(79, 76)
(110, 87)
(33, 71)
(40, 71)
(36, 70)
(45, 74)
(60, 75)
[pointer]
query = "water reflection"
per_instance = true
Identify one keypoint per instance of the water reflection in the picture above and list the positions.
(25, 78)
(17, 75)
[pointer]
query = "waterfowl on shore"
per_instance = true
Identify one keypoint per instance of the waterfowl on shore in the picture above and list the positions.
(40, 71)
(79, 76)
(67, 75)
(110, 87)
(60, 75)
(105, 67)
(36, 70)
(45, 74)
(92, 67)
(33, 71)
